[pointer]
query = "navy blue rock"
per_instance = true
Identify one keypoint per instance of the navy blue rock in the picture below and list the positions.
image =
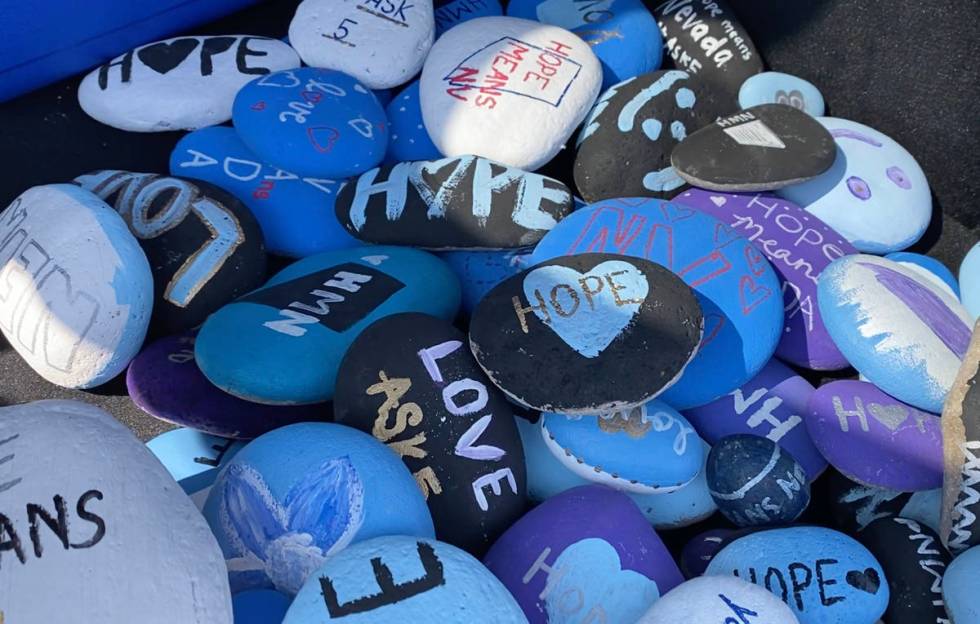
(408, 139)
(449, 14)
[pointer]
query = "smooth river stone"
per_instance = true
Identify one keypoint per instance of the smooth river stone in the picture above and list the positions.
(853, 506)
(722, 599)
(960, 587)
(89, 516)
(193, 459)
(875, 439)
(898, 329)
(778, 88)
(798, 246)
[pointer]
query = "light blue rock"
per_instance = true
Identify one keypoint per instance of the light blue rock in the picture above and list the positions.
(458, 11)
(875, 194)
(401, 580)
(960, 588)
(823, 575)
(407, 137)
(929, 268)
(193, 459)
(298, 494)
(282, 344)
(482, 269)
(296, 213)
(260, 606)
(779, 88)
(970, 281)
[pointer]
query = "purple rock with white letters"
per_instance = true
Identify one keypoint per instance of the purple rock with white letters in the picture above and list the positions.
(875, 439)
(799, 246)
(772, 404)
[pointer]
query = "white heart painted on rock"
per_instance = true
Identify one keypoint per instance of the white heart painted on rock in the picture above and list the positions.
(595, 315)
(718, 201)
(375, 260)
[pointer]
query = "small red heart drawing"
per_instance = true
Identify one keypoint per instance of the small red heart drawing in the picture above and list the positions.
(258, 106)
(751, 295)
(322, 138)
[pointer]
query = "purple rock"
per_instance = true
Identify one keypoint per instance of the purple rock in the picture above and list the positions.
(875, 439)
(165, 382)
(772, 404)
(799, 246)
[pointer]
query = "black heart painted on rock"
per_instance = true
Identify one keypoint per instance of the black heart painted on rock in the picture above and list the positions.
(867, 581)
(164, 56)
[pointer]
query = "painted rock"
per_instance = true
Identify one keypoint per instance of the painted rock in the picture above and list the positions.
(625, 145)
(205, 248)
(179, 84)
(313, 122)
(260, 606)
(397, 579)
(799, 247)
(736, 288)
(449, 14)
(927, 267)
(507, 89)
(771, 404)
(165, 382)
(296, 495)
(81, 528)
(824, 576)
(480, 270)
(282, 344)
(91, 310)
(410, 381)
(853, 506)
(970, 281)
(914, 561)
(718, 599)
(650, 448)
(756, 483)
(706, 40)
(381, 43)
(875, 194)
(778, 88)
(408, 139)
(586, 553)
(467, 202)
(296, 213)
(543, 336)
(623, 34)
(699, 551)
(960, 587)
(193, 459)
(961, 446)
(875, 439)
(907, 336)
(757, 149)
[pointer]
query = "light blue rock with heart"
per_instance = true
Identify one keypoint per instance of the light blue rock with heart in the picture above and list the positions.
(737, 289)
(282, 344)
(929, 268)
(823, 575)
(296, 212)
(970, 281)
(407, 137)
(647, 450)
(482, 269)
(960, 587)
(193, 459)
(778, 88)
(458, 11)
(260, 606)
(875, 194)
(623, 34)
(301, 493)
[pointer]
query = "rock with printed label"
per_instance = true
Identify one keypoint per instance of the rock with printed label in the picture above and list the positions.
(853, 506)
(314, 122)
(193, 459)
(902, 332)
(398, 579)
(824, 576)
(205, 248)
(76, 317)
(296, 213)
(721, 599)
(586, 334)
(479, 270)
(697, 552)
(588, 550)
(260, 606)
(755, 482)
(706, 40)
(930, 268)
(282, 344)
(454, 12)
(799, 247)
(411, 381)
(914, 561)
(113, 539)
(408, 139)
(735, 286)
(165, 382)
(381, 43)
(969, 279)
(507, 89)
(183, 83)
(875, 439)
(760, 148)
(772, 404)
(632, 130)
(778, 88)
(467, 202)
(960, 587)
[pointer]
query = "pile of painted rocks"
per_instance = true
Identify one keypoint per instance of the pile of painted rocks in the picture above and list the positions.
(471, 396)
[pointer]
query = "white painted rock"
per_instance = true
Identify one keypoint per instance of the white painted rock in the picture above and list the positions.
(183, 83)
(93, 529)
(507, 89)
(382, 43)
(719, 599)
(77, 291)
